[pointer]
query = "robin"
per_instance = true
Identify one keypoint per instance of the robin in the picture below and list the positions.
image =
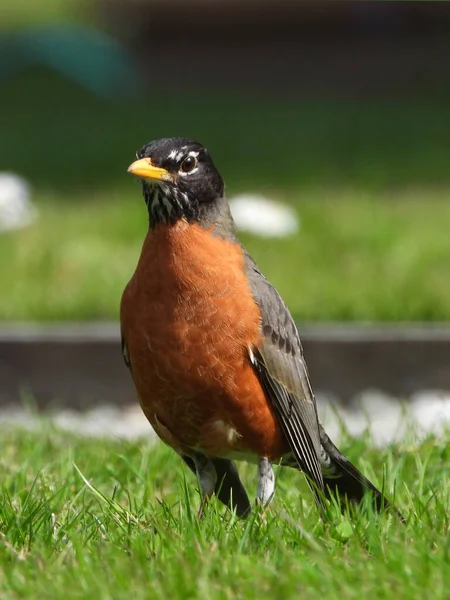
(213, 351)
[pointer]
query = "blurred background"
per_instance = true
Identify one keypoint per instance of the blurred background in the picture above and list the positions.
(332, 117)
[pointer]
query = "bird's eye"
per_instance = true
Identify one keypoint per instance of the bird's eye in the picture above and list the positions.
(188, 164)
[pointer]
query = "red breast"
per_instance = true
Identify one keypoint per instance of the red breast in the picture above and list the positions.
(189, 319)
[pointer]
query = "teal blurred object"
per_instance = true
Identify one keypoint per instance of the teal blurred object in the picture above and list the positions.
(85, 55)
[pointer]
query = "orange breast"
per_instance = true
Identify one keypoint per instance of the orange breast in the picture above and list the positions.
(189, 318)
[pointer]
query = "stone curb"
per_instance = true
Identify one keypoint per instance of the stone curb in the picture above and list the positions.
(80, 365)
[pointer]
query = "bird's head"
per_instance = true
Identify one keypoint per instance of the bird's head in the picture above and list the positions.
(180, 181)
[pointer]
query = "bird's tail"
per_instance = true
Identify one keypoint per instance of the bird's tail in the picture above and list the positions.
(341, 476)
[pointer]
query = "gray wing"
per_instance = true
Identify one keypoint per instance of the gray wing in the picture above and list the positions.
(126, 357)
(282, 371)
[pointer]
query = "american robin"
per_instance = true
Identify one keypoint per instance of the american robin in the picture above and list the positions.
(213, 351)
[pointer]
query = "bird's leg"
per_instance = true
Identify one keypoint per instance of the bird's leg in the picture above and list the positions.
(266, 482)
(207, 476)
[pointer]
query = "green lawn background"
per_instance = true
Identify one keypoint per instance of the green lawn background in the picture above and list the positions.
(129, 528)
(369, 180)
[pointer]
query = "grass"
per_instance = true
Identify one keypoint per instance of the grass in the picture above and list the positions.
(63, 138)
(370, 181)
(23, 13)
(357, 257)
(107, 519)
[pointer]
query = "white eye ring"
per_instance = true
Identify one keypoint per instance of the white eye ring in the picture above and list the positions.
(189, 164)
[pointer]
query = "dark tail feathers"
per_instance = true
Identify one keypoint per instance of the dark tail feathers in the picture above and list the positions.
(344, 478)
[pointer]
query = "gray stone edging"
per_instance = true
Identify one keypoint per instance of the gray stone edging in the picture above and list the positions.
(80, 364)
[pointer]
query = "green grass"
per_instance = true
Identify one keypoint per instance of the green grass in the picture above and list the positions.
(357, 257)
(370, 181)
(62, 138)
(132, 530)
(23, 13)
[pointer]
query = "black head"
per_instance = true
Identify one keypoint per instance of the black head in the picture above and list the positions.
(179, 181)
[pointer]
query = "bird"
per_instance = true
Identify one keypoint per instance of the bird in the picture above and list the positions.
(213, 351)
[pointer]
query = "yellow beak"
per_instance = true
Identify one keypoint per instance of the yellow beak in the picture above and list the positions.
(145, 169)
